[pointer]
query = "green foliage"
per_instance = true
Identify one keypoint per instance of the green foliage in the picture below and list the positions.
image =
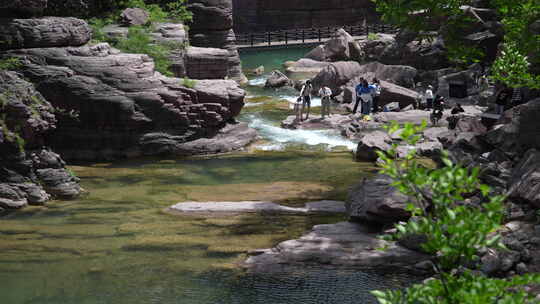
(140, 42)
(10, 63)
(512, 69)
(516, 17)
(189, 83)
(372, 36)
(11, 136)
(465, 288)
(454, 229)
(97, 25)
(178, 11)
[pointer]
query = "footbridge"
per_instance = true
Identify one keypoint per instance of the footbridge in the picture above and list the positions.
(305, 36)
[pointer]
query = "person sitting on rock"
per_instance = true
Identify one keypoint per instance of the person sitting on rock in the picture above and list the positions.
(502, 100)
(376, 94)
(438, 103)
(325, 93)
(305, 93)
(364, 93)
(455, 117)
(457, 109)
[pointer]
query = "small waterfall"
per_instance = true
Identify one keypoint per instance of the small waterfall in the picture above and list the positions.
(280, 138)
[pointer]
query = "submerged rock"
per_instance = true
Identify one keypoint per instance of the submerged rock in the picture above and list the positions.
(341, 244)
(257, 207)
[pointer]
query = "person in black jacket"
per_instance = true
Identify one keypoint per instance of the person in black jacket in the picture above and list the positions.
(503, 98)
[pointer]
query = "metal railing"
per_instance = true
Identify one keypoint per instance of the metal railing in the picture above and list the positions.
(304, 35)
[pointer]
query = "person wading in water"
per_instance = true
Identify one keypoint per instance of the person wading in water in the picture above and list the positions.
(305, 93)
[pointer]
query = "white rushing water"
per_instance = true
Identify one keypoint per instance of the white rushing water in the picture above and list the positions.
(280, 138)
(315, 101)
(258, 81)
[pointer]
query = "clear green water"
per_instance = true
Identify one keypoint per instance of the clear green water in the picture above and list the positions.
(117, 244)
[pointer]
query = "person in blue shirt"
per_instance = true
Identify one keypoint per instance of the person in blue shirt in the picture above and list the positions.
(364, 93)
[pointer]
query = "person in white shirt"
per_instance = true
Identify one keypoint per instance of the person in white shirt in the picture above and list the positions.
(325, 93)
(376, 94)
(305, 93)
(429, 98)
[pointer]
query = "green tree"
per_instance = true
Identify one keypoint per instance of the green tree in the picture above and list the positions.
(455, 17)
(454, 229)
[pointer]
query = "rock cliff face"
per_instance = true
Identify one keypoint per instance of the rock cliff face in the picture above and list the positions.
(212, 27)
(29, 172)
(123, 106)
(262, 15)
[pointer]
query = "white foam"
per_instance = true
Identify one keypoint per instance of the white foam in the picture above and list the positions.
(258, 81)
(252, 104)
(280, 137)
(315, 101)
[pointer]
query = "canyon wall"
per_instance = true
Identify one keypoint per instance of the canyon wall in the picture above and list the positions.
(262, 15)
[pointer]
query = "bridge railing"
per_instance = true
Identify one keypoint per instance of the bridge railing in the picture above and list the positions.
(304, 35)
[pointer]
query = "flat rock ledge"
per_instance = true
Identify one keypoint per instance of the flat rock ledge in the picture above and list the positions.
(342, 244)
(318, 207)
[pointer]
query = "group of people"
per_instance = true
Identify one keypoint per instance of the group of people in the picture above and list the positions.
(303, 103)
(368, 96)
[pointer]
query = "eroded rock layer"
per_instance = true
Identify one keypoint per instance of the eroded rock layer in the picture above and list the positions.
(30, 173)
(120, 105)
(212, 27)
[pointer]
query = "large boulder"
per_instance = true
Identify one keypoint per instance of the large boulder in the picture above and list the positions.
(375, 200)
(389, 93)
(521, 133)
(124, 95)
(407, 49)
(336, 75)
(277, 80)
(172, 33)
(29, 173)
(524, 185)
(305, 65)
(341, 244)
(206, 63)
(212, 27)
(341, 47)
(371, 143)
(401, 75)
(134, 16)
(44, 32)
(347, 73)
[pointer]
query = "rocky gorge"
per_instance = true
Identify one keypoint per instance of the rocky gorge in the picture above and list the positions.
(118, 105)
(180, 226)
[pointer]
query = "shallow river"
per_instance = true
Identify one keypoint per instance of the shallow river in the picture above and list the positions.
(117, 245)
